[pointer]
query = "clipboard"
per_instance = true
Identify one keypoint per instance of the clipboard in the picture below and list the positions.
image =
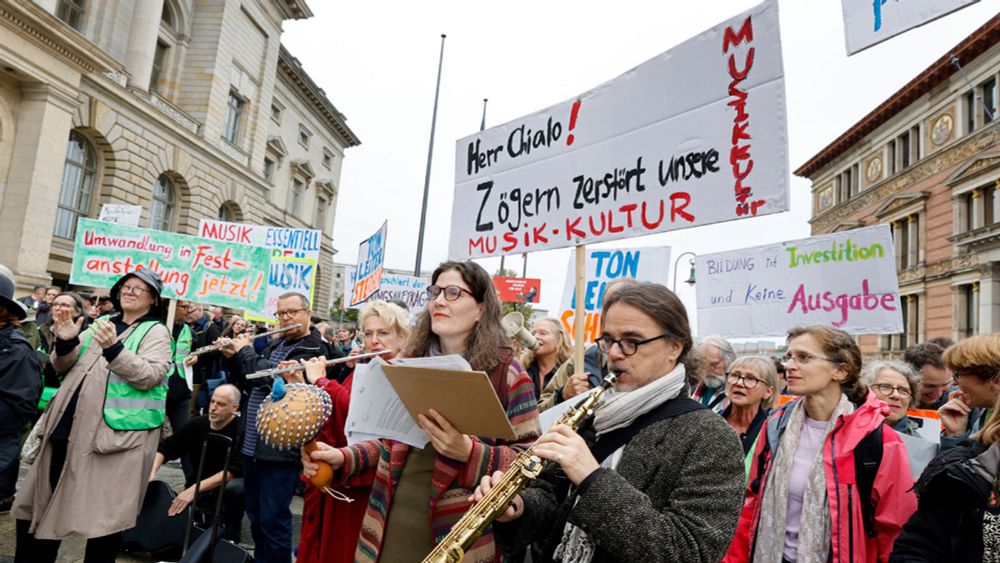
(466, 398)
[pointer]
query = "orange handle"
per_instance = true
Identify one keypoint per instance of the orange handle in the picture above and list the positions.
(324, 474)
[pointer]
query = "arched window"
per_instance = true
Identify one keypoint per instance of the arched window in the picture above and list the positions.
(161, 214)
(77, 187)
(225, 213)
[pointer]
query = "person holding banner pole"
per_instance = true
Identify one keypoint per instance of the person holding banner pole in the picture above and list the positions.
(418, 494)
(101, 430)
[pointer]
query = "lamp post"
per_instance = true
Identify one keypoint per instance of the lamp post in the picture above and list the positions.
(690, 280)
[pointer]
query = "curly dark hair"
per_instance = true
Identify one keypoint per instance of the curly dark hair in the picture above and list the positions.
(487, 338)
(919, 355)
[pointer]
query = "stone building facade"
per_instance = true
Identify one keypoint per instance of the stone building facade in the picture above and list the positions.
(927, 162)
(191, 109)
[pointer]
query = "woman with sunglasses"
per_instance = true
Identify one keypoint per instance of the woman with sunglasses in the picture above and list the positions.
(803, 501)
(418, 494)
(896, 384)
(751, 386)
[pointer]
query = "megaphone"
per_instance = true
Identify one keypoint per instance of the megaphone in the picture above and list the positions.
(513, 325)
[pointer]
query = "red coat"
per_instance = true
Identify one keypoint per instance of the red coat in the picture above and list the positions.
(330, 527)
(892, 494)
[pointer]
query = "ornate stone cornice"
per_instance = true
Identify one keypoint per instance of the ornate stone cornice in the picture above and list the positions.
(293, 73)
(293, 9)
(926, 168)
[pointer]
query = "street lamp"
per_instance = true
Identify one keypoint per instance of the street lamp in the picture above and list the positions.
(690, 280)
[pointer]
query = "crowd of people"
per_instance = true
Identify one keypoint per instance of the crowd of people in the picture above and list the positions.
(694, 454)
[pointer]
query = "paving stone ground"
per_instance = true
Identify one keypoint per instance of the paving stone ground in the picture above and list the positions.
(72, 550)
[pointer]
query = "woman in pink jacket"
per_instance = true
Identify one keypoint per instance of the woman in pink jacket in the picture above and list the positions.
(805, 500)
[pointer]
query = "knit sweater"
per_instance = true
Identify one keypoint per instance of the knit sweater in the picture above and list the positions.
(451, 482)
(674, 496)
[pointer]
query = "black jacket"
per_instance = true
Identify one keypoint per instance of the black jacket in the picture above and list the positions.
(948, 523)
(20, 380)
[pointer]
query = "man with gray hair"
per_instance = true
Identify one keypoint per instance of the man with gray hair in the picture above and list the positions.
(711, 387)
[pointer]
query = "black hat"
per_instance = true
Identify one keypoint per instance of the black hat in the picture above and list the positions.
(7, 298)
(151, 278)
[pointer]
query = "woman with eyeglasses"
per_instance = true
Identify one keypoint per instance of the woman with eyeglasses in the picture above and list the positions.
(66, 301)
(751, 386)
(806, 499)
(896, 384)
(958, 516)
(418, 494)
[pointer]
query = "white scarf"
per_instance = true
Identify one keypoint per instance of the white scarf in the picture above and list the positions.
(618, 410)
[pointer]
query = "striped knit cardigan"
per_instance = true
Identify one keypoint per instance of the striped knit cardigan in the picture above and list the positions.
(451, 482)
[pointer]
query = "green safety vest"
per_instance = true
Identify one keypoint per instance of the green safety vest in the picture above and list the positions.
(181, 347)
(125, 406)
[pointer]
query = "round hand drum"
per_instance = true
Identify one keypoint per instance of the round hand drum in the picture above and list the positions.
(293, 420)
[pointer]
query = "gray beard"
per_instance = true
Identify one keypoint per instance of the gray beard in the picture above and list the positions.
(714, 381)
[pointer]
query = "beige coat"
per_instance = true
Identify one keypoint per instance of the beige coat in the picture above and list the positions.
(104, 479)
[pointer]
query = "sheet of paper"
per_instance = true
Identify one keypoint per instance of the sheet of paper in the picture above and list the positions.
(549, 417)
(920, 452)
(189, 376)
(377, 412)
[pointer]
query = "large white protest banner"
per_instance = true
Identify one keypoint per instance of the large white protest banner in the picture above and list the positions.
(696, 135)
(868, 22)
(407, 289)
(285, 244)
(371, 255)
(846, 280)
(604, 266)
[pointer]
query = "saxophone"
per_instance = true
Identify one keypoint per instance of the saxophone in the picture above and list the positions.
(523, 470)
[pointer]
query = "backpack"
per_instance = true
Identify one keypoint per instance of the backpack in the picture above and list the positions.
(867, 459)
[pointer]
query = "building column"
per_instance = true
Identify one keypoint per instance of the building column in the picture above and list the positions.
(912, 335)
(31, 196)
(912, 239)
(897, 243)
(996, 202)
(145, 30)
(977, 208)
(989, 304)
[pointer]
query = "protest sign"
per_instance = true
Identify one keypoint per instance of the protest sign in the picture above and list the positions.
(371, 255)
(868, 22)
(121, 214)
(604, 266)
(696, 135)
(394, 287)
(846, 280)
(517, 290)
(284, 275)
(192, 268)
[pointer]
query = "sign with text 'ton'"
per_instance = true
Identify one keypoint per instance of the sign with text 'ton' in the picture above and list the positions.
(696, 135)
(192, 268)
(605, 265)
(517, 290)
(846, 280)
(868, 22)
(371, 255)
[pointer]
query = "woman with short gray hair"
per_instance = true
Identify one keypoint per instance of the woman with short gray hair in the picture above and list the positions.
(751, 387)
(896, 384)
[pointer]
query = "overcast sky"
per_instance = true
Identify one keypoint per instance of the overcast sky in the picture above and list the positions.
(377, 62)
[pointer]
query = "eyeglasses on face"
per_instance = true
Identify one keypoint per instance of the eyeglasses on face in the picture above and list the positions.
(628, 346)
(288, 313)
(451, 292)
(802, 358)
(747, 381)
(887, 389)
(134, 289)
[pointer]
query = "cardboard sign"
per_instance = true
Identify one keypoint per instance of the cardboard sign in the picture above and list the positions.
(121, 214)
(696, 135)
(192, 268)
(518, 290)
(408, 289)
(604, 266)
(371, 255)
(284, 275)
(846, 280)
(868, 22)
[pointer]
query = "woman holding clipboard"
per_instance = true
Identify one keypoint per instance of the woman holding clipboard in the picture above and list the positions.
(418, 494)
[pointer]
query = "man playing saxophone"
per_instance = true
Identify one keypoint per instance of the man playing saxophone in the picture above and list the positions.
(658, 478)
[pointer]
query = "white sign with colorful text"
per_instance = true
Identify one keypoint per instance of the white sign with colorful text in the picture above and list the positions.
(846, 280)
(696, 135)
(407, 289)
(868, 22)
(605, 265)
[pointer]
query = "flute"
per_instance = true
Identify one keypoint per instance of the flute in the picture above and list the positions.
(296, 367)
(217, 347)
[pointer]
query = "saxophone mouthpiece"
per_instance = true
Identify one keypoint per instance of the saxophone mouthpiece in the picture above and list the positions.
(609, 380)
